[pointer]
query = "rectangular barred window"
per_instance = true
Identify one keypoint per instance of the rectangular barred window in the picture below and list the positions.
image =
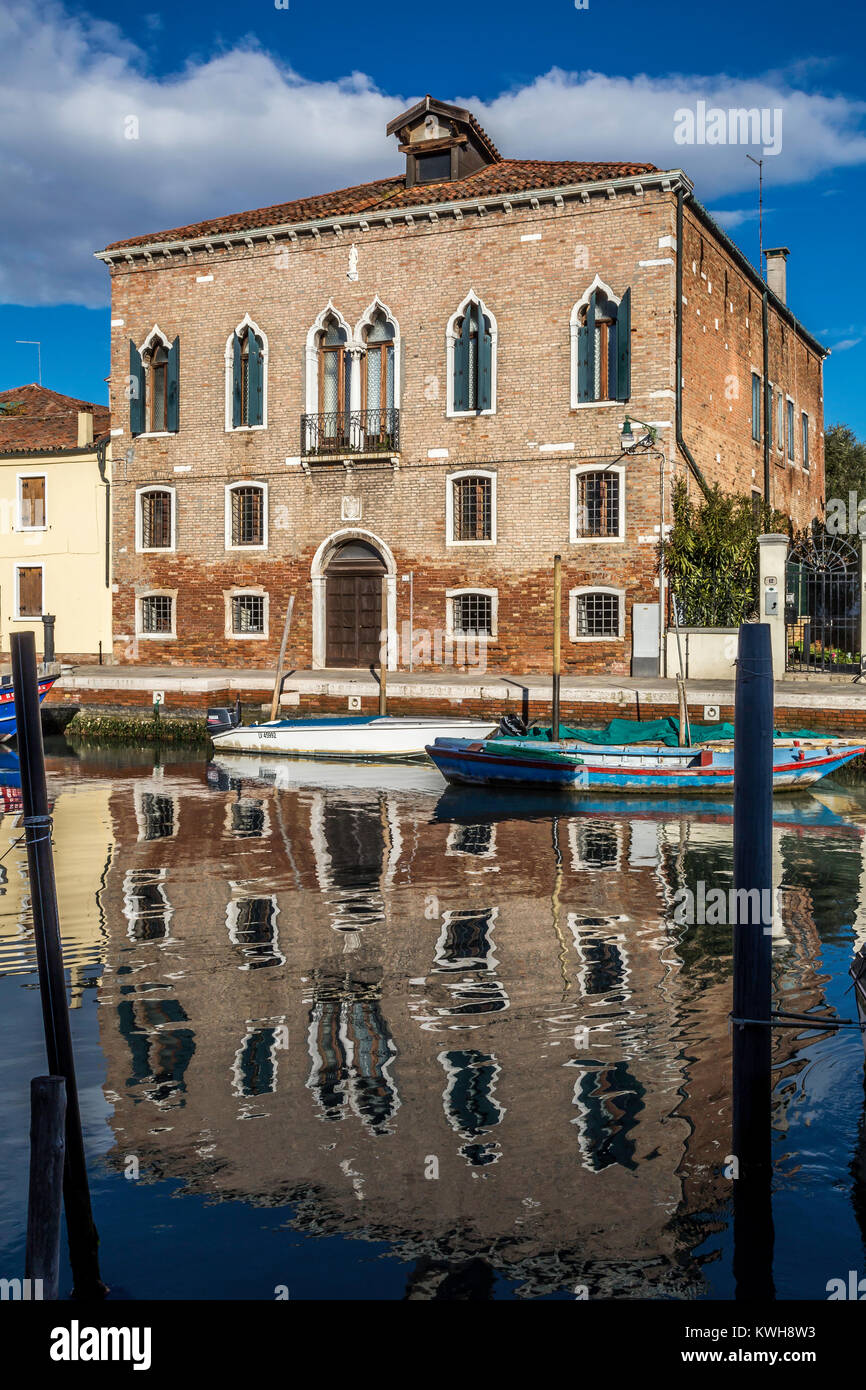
(473, 615)
(248, 516)
(156, 613)
(248, 613)
(756, 406)
(791, 431)
(597, 615)
(805, 424)
(156, 520)
(473, 509)
(597, 504)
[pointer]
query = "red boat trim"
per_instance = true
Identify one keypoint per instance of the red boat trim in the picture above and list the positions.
(619, 769)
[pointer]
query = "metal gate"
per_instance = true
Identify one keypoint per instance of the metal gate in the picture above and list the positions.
(822, 604)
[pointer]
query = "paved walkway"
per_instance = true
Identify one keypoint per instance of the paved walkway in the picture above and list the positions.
(833, 693)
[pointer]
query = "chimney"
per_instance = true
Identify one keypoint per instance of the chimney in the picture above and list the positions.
(776, 271)
(85, 428)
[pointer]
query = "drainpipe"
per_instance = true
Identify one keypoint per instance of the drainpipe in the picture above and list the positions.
(768, 397)
(681, 443)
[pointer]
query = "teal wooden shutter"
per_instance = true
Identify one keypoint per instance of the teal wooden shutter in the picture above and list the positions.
(586, 355)
(485, 361)
(256, 382)
(236, 382)
(623, 348)
(172, 407)
(135, 390)
(461, 364)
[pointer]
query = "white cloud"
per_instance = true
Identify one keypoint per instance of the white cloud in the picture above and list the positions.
(846, 344)
(241, 129)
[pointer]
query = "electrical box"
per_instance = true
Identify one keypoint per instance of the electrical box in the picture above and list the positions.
(771, 602)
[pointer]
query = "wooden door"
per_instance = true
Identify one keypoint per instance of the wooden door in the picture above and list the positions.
(353, 617)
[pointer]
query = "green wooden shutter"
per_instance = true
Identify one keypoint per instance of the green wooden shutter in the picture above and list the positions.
(485, 361)
(172, 407)
(135, 390)
(461, 364)
(586, 355)
(236, 382)
(623, 348)
(256, 382)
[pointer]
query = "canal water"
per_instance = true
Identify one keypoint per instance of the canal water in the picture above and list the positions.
(343, 1033)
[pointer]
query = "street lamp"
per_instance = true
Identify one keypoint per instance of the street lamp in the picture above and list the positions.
(628, 438)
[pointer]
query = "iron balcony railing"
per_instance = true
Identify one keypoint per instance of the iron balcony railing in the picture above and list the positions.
(350, 432)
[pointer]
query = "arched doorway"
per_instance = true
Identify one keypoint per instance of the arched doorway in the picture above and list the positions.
(354, 577)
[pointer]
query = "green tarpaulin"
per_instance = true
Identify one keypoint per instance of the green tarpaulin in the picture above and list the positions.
(665, 731)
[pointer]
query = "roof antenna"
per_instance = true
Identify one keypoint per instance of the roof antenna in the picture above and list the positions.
(760, 164)
(33, 342)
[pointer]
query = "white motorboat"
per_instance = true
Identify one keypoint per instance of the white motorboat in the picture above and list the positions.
(409, 777)
(350, 736)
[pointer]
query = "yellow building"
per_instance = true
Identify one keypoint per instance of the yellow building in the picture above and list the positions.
(55, 530)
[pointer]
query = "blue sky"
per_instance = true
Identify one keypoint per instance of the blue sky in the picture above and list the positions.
(241, 106)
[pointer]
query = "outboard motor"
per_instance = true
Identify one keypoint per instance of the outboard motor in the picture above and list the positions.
(512, 726)
(221, 719)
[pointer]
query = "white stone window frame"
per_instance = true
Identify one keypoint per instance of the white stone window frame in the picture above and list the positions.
(580, 592)
(140, 548)
(158, 880)
(145, 349)
(242, 591)
(791, 430)
(573, 325)
(19, 479)
(233, 487)
(230, 428)
(245, 894)
(356, 346)
(154, 787)
(451, 632)
(450, 340)
(450, 515)
(575, 538)
(155, 636)
(20, 617)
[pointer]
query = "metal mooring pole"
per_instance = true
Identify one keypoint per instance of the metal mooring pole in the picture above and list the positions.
(752, 933)
(81, 1231)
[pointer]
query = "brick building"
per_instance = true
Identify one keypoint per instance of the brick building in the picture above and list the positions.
(416, 387)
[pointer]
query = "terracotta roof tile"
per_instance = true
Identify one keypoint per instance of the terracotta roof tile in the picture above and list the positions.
(504, 176)
(44, 419)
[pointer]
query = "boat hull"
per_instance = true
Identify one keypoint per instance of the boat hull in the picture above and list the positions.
(367, 736)
(7, 706)
(678, 771)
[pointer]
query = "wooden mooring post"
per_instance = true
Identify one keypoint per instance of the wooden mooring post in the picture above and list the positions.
(81, 1231)
(278, 683)
(383, 654)
(557, 646)
(45, 1195)
(752, 991)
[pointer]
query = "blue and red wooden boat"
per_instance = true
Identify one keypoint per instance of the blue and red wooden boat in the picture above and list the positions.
(640, 769)
(7, 705)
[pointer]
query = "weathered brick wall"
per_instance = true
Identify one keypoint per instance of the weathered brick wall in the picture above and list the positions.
(722, 346)
(421, 273)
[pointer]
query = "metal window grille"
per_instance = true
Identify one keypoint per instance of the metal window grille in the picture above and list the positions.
(156, 613)
(247, 516)
(756, 406)
(598, 615)
(598, 504)
(474, 509)
(157, 813)
(248, 613)
(473, 615)
(156, 520)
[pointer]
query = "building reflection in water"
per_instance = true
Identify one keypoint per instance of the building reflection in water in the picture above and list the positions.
(528, 1059)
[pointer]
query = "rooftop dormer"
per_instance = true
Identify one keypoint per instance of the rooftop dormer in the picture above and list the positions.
(441, 142)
